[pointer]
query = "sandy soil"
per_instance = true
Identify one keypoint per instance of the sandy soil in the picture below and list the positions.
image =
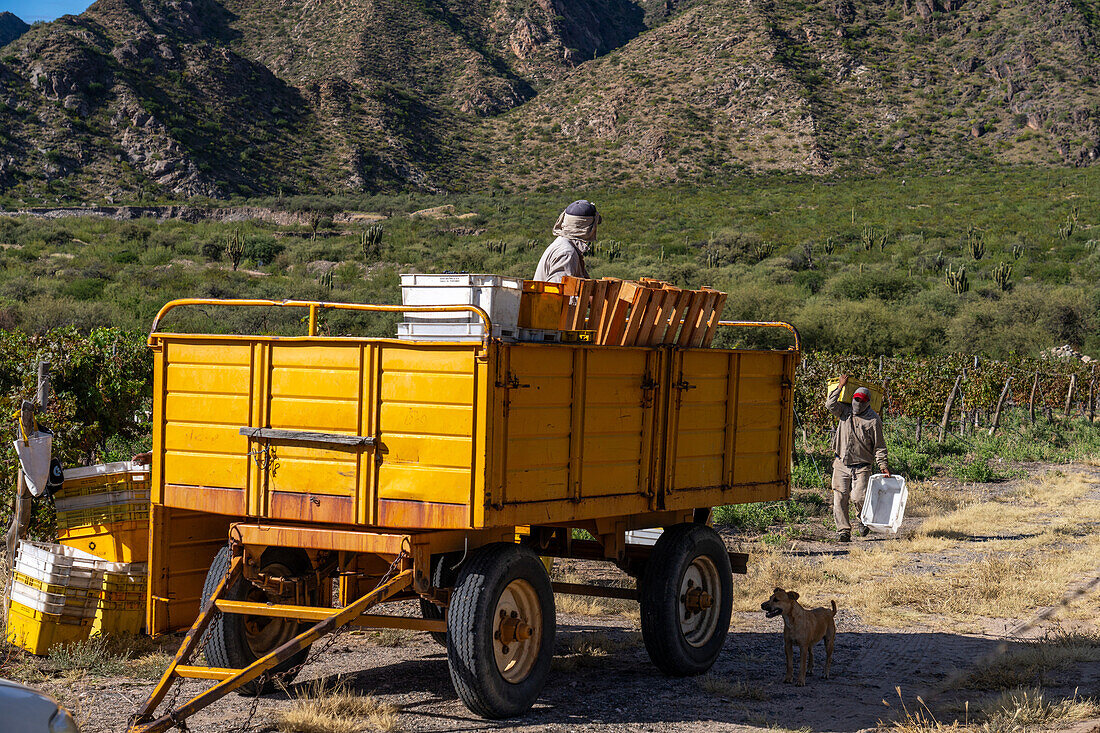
(622, 691)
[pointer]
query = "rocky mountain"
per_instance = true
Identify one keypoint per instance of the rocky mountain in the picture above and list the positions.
(11, 27)
(223, 97)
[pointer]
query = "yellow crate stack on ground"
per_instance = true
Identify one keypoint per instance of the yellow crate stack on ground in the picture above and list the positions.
(54, 595)
(104, 510)
(121, 607)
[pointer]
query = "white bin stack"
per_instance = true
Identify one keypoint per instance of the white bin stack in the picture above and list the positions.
(497, 295)
(54, 595)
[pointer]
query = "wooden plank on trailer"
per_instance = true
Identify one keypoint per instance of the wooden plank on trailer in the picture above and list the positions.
(661, 327)
(580, 313)
(569, 286)
(654, 311)
(710, 297)
(610, 306)
(715, 316)
(683, 302)
(637, 313)
(616, 320)
(599, 302)
(691, 317)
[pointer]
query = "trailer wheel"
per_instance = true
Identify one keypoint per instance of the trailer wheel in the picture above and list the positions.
(500, 630)
(442, 577)
(236, 641)
(686, 600)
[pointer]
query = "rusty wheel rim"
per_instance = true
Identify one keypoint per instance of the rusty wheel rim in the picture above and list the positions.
(517, 631)
(263, 634)
(700, 601)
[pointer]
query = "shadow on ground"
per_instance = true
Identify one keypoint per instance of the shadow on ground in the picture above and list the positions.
(622, 688)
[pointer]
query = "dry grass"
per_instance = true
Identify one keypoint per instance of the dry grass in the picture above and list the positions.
(336, 710)
(733, 690)
(394, 638)
(592, 649)
(1014, 711)
(933, 498)
(571, 605)
(1029, 662)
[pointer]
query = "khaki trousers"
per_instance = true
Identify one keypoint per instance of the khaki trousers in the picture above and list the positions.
(848, 484)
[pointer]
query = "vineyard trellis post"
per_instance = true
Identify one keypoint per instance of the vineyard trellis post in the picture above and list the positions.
(1092, 399)
(21, 511)
(1000, 403)
(1069, 392)
(947, 408)
(1031, 402)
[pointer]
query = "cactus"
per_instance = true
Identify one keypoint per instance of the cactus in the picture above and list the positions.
(498, 246)
(808, 250)
(610, 250)
(1066, 230)
(871, 237)
(325, 281)
(1017, 251)
(956, 280)
(939, 261)
(1093, 245)
(711, 257)
(370, 240)
(1002, 275)
(975, 242)
(828, 246)
(763, 250)
(234, 247)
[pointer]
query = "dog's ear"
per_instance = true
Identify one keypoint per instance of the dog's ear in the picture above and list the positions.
(793, 595)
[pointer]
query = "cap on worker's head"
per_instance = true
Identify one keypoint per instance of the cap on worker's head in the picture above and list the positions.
(581, 208)
(862, 394)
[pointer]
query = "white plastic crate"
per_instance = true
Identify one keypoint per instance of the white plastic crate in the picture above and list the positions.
(497, 295)
(45, 558)
(105, 469)
(440, 331)
(107, 498)
(884, 504)
(61, 604)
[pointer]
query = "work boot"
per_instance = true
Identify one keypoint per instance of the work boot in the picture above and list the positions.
(863, 530)
(844, 535)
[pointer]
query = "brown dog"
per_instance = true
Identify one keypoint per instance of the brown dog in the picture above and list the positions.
(804, 628)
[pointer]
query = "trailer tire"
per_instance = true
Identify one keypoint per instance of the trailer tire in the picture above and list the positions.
(442, 577)
(227, 643)
(500, 630)
(686, 600)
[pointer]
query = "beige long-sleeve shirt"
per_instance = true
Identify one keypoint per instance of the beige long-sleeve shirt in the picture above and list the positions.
(858, 438)
(561, 258)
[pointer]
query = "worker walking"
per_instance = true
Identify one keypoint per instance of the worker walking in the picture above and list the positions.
(857, 443)
(575, 230)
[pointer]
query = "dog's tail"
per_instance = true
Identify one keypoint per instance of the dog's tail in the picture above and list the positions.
(834, 607)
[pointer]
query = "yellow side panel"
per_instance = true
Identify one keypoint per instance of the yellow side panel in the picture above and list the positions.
(428, 417)
(542, 405)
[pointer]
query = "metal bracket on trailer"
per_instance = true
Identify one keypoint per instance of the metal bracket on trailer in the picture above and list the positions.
(328, 620)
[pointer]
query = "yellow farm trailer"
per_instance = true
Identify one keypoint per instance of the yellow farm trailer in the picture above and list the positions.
(444, 472)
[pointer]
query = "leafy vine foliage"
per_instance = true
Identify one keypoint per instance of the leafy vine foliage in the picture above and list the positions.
(102, 384)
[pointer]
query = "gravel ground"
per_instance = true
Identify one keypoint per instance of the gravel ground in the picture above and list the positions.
(621, 690)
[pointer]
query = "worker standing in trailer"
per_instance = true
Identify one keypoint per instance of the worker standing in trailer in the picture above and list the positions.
(575, 231)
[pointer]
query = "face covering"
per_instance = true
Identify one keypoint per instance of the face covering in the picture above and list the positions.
(859, 407)
(577, 228)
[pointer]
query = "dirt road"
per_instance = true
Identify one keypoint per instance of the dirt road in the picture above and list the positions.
(603, 680)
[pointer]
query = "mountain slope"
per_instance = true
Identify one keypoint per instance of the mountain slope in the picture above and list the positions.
(222, 97)
(784, 85)
(11, 27)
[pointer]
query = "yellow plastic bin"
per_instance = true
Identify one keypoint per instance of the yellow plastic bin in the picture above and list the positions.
(850, 389)
(541, 305)
(118, 542)
(37, 631)
(119, 617)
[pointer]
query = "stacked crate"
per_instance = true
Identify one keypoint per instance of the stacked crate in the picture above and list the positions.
(104, 510)
(55, 592)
